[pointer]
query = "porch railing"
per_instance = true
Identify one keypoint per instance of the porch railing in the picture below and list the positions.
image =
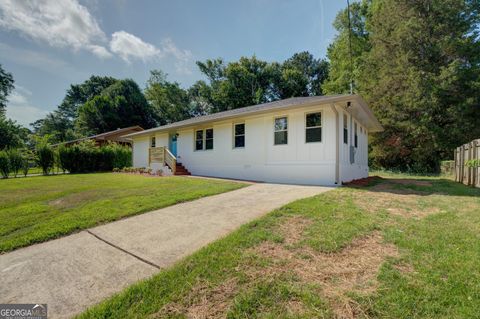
(162, 155)
(170, 160)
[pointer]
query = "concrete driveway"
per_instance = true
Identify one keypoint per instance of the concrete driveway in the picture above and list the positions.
(74, 272)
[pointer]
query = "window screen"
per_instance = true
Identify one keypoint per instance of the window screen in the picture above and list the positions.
(281, 131)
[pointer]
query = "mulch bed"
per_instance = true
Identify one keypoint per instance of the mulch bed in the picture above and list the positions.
(364, 182)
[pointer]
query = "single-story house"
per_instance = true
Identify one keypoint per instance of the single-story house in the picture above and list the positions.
(115, 136)
(319, 140)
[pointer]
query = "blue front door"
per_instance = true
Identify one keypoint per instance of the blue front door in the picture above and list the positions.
(173, 145)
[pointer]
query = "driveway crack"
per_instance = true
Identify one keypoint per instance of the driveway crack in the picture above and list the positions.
(123, 250)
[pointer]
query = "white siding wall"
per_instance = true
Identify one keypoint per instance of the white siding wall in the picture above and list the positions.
(261, 160)
(140, 151)
(359, 169)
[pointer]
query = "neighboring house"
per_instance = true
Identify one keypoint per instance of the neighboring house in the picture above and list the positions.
(320, 140)
(112, 136)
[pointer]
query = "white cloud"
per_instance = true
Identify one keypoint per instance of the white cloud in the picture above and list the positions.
(68, 24)
(182, 57)
(100, 51)
(20, 109)
(63, 23)
(127, 46)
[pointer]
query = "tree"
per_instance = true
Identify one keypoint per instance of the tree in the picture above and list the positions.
(6, 87)
(12, 134)
(200, 98)
(345, 67)
(15, 160)
(57, 126)
(122, 104)
(417, 64)
(45, 156)
(421, 77)
(60, 124)
(314, 71)
(79, 94)
(169, 101)
(250, 81)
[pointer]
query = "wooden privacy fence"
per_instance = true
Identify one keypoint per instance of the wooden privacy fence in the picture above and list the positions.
(466, 170)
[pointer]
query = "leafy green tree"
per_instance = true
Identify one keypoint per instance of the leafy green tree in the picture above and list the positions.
(345, 67)
(200, 98)
(417, 64)
(45, 156)
(250, 81)
(421, 78)
(169, 101)
(122, 104)
(15, 160)
(12, 135)
(313, 71)
(238, 84)
(4, 164)
(60, 124)
(57, 126)
(79, 94)
(6, 87)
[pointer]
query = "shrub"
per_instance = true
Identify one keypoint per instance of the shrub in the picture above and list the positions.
(15, 161)
(25, 166)
(447, 167)
(4, 164)
(86, 157)
(45, 157)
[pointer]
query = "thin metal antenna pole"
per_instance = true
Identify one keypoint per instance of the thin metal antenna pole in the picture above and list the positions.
(350, 46)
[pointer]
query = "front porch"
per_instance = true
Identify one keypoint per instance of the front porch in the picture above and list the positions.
(161, 155)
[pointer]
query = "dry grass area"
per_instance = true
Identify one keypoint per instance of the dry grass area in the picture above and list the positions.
(380, 248)
(352, 269)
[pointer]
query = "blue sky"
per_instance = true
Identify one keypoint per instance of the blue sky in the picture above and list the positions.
(49, 44)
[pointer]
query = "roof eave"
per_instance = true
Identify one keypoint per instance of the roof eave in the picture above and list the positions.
(332, 99)
(377, 126)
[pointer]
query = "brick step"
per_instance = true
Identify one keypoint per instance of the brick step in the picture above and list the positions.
(181, 170)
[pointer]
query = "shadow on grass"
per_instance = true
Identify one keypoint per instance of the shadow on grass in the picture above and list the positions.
(415, 186)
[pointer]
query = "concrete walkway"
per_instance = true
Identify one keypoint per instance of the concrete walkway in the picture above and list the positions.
(74, 272)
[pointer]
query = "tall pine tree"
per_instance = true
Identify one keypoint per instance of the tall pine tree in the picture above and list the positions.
(420, 74)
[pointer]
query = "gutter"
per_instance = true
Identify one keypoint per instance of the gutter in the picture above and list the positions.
(337, 145)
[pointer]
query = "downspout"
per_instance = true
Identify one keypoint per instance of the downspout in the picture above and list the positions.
(337, 145)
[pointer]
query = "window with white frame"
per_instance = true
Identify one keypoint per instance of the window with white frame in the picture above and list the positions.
(209, 139)
(313, 127)
(152, 141)
(199, 140)
(204, 139)
(239, 135)
(345, 129)
(281, 131)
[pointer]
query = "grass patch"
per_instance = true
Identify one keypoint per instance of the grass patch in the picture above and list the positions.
(36, 209)
(394, 249)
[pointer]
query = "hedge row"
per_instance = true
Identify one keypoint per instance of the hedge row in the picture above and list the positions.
(86, 157)
(14, 161)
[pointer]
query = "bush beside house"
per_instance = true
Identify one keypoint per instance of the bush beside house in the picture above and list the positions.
(86, 157)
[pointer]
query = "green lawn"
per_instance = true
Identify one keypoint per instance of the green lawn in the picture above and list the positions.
(402, 247)
(36, 209)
